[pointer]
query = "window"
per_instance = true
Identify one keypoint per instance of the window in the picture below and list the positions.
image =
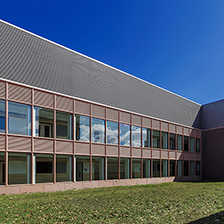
(197, 145)
(146, 137)
(156, 139)
(44, 119)
(2, 168)
(136, 136)
(97, 168)
(191, 144)
(179, 142)
(164, 140)
(2, 116)
(125, 134)
(198, 168)
(112, 132)
(172, 168)
(179, 168)
(63, 168)
(164, 168)
(186, 168)
(98, 130)
(136, 168)
(186, 140)
(82, 128)
(124, 168)
(112, 168)
(19, 119)
(82, 168)
(63, 125)
(192, 168)
(172, 141)
(156, 168)
(146, 168)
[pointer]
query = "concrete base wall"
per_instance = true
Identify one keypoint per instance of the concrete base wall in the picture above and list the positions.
(50, 187)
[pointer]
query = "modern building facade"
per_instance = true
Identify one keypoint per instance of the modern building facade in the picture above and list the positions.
(68, 121)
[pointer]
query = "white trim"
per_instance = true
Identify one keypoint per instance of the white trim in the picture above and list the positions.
(95, 60)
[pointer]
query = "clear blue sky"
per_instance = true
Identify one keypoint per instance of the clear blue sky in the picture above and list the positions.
(175, 44)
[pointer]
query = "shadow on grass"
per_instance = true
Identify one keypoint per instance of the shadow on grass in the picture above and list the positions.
(215, 218)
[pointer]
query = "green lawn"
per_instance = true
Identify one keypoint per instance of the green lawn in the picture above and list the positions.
(161, 203)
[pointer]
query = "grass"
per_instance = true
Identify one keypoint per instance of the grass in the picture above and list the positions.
(161, 203)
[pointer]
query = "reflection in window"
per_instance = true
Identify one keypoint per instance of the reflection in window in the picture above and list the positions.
(156, 168)
(164, 168)
(19, 119)
(146, 168)
(197, 145)
(82, 168)
(19, 168)
(156, 139)
(172, 141)
(136, 136)
(63, 125)
(146, 137)
(2, 116)
(179, 142)
(124, 134)
(112, 132)
(186, 139)
(124, 168)
(179, 168)
(136, 168)
(98, 130)
(172, 168)
(191, 144)
(164, 140)
(44, 119)
(82, 128)
(97, 168)
(63, 168)
(112, 168)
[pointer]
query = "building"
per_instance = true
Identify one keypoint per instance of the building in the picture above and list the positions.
(68, 121)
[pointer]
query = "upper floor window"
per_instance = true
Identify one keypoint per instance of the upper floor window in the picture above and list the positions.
(156, 139)
(2, 116)
(98, 130)
(124, 134)
(172, 141)
(112, 132)
(164, 140)
(82, 128)
(146, 137)
(136, 136)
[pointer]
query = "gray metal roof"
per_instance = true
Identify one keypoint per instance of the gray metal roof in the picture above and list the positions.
(32, 60)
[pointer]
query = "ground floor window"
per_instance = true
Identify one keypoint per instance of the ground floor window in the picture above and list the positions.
(97, 168)
(82, 168)
(136, 168)
(2, 168)
(124, 168)
(172, 168)
(192, 168)
(164, 168)
(198, 168)
(156, 168)
(179, 168)
(64, 168)
(112, 168)
(146, 168)
(186, 168)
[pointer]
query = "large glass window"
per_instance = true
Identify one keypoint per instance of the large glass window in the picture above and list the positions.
(186, 140)
(146, 168)
(164, 140)
(2, 168)
(2, 116)
(82, 168)
(186, 168)
(156, 168)
(44, 168)
(179, 142)
(124, 134)
(198, 168)
(172, 141)
(82, 128)
(19, 119)
(156, 139)
(63, 125)
(191, 144)
(19, 168)
(44, 119)
(164, 168)
(197, 145)
(172, 168)
(146, 137)
(63, 168)
(136, 136)
(98, 130)
(136, 168)
(97, 168)
(124, 168)
(112, 168)
(192, 168)
(112, 132)
(179, 168)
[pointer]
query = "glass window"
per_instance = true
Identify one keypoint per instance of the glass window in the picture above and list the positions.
(136, 136)
(112, 168)
(198, 168)
(98, 130)
(191, 144)
(19, 119)
(82, 168)
(136, 168)
(179, 142)
(186, 168)
(172, 168)
(112, 132)
(97, 168)
(156, 168)
(156, 139)
(44, 119)
(164, 168)
(197, 145)
(2, 116)
(82, 128)
(172, 141)
(164, 140)
(179, 168)
(44, 168)
(63, 125)
(186, 140)
(146, 168)
(124, 134)
(146, 137)
(192, 168)
(2, 168)
(124, 168)
(19, 168)
(63, 168)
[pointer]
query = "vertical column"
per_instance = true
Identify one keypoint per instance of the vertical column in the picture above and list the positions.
(131, 146)
(32, 135)
(151, 142)
(74, 138)
(119, 148)
(141, 149)
(54, 143)
(6, 136)
(90, 162)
